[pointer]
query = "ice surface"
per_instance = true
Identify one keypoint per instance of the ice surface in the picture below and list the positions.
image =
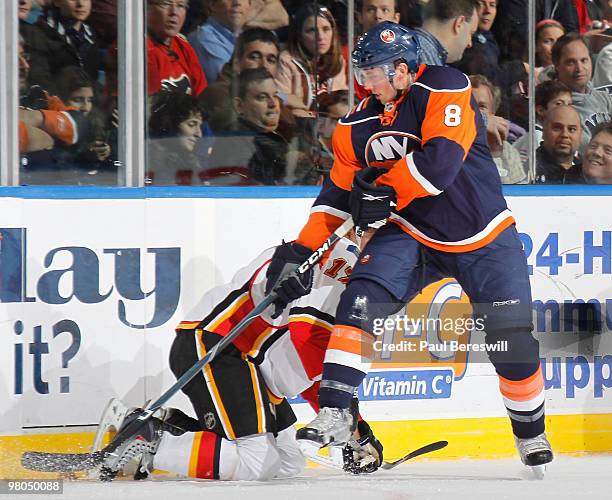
(567, 477)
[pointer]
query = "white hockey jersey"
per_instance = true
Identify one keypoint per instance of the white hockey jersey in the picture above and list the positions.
(289, 350)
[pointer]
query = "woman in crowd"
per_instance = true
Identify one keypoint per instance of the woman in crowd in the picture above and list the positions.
(548, 31)
(313, 63)
(174, 131)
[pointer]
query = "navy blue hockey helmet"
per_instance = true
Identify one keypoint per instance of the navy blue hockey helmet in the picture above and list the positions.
(382, 46)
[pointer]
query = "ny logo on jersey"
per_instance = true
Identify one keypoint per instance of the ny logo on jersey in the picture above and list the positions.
(389, 148)
(386, 148)
(370, 197)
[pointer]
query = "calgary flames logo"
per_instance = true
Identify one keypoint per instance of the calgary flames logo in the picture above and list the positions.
(387, 36)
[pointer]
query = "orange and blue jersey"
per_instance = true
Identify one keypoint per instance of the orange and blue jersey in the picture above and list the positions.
(432, 139)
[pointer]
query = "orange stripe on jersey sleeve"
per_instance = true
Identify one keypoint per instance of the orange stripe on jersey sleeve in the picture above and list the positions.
(318, 228)
(450, 115)
(345, 162)
(274, 399)
(522, 390)
(406, 187)
(352, 340)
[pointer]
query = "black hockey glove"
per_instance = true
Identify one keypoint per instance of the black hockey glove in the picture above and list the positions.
(285, 259)
(370, 205)
(364, 455)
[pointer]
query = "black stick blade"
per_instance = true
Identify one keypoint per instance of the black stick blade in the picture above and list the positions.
(428, 448)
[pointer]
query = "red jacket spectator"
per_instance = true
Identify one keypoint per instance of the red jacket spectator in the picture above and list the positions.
(174, 67)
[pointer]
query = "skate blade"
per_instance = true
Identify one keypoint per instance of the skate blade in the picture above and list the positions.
(112, 417)
(110, 421)
(538, 471)
(311, 450)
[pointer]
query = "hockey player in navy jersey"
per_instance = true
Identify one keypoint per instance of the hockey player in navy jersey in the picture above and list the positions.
(441, 213)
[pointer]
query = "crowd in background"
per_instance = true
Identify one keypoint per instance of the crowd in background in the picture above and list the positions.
(248, 92)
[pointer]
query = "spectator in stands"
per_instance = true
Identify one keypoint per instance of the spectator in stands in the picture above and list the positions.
(267, 14)
(35, 41)
(38, 7)
(174, 131)
(78, 92)
(548, 31)
(448, 26)
(597, 164)
(313, 63)
(602, 73)
(556, 158)
(483, 56)
(214, 40)
(372, 12)
(255, 48)
(50, 132)
(588, 11)
(172, 63)
(332, 107)
(411, 13)
(67, 40)
(25, 6)
(510, 30)
(44, 120)
(103, 20)
(506, 158)
(256, 147)
(32, 137)
(573, 65)
(548, 94)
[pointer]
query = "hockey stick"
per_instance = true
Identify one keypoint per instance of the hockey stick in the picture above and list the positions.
(72, 462)
(428, 448)
(333, 462)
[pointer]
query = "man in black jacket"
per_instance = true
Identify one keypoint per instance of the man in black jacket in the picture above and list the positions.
(254, 145)
(556, 157)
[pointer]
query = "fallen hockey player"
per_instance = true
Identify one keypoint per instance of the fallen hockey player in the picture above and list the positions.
(244, 429)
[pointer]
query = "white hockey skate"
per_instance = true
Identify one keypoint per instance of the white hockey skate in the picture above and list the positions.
(535, 452)
(332, 426)
(142, 445)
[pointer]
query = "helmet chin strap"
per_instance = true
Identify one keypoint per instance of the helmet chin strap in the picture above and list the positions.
(399, 92)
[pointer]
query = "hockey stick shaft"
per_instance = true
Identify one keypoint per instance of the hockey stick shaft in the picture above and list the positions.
(89, 460)
(256, 312)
